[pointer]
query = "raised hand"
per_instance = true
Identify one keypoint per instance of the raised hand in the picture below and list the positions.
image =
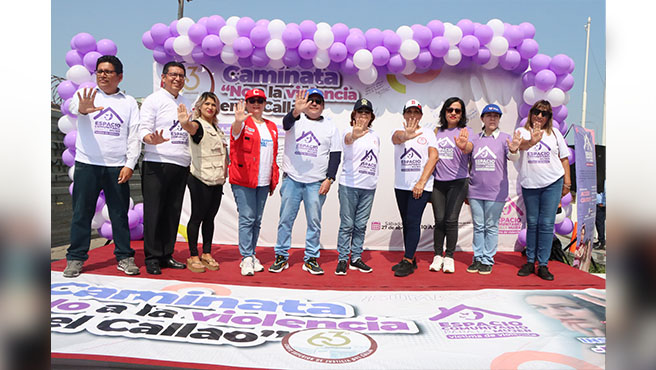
(183, 115)
(411, 127)
(536, 136)
(156, 137)
(301, 104)
(462, 140)
(360, 127)
(86, 101)
(516, 141)
(240, 112)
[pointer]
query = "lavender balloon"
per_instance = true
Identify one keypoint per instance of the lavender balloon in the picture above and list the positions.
(100, 203)
(527, 29)
(347, 67)
(173, 28)
(147, 40)
(396, 63)
(521, 67)
(291, 36)
(84, 42)
(466, 26)
(524, 109)
(563, 127)
(106, 47)
(565, 82)
(560, 113)
(68, 158)
(308, 28)
(243, 47)
(572, 156)
(307, 49)
(337, 52)
(136, 233)
(521, 237)
(484, 33)
(380, 56)
(244, 26)
(73, 57)
(199, 56)
(168, 46)
(212, 45)
(528, 79)
(90, 60)
(545, 79)
(105, 230)
(438, 63)
(160, 55)
(564, 227)
(291, 57)
(510, 60)
(355, 42)
(306, 63)
(64, 107)
(436, 27)
(262, 23)
(66, 89)
(391, 41)
(214, 24)
(528, 48)
(469, 45)
(197, 33)
(560, 64)
(424, 60)
(260, 36)
(540, 62)
(160, 33)
(259, 57)
(514, 35)
(70, 138)
(133, 219)
(439, 46)
(422, 35)
(245, 62)
(566, 200)
(374, 38)
(341, 31)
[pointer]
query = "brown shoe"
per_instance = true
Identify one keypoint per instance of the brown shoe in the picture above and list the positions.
(209, 263)
(195, 266)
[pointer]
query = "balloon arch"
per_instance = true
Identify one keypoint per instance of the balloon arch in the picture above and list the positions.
(371, 54)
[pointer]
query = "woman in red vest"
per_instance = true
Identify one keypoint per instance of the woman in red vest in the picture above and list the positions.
(253, 172)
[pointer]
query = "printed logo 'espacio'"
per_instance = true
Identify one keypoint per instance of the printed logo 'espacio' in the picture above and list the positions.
(107, 122)
(466, 322)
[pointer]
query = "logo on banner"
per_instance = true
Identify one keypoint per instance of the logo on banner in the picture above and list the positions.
(307, 144)
(484, 159)
(510, 221)
(368, 163)
(329, 346)
(410, 160)
(589, 151)
(467, 322)
(107, 122)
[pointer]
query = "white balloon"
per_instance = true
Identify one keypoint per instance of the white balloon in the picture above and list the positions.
(405, 33)
(409, 68)
(131, 203)
(78, 74)
(183, 45)
(532, 94)
(228, 55)
(232, 21)
(560, 216)
(452, 33)
(97, 220)
(555, 96)
(275, 49)
(566, 98)
(183, 25)
(324, 38)
(321, 60)
(497, 26)
(498, 46)
(278, 63)
(492, 63)
(409, 49)
(66, 125)
(71, 172)
(453, 56)
(275, 28)
(368, 76)
(363, 59)
(105, 212)
(228, 34)
(323, 26)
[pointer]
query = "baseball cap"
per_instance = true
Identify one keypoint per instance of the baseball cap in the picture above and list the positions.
(491, 108)
(255, 93)
(363, 103)
(313, 91)
(412, 103)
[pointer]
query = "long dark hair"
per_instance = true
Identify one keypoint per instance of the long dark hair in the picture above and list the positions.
(463, 118)
(543, 105)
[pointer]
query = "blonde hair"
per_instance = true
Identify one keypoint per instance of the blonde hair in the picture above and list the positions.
(199, 102)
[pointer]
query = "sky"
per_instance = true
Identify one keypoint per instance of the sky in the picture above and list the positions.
(559, 30)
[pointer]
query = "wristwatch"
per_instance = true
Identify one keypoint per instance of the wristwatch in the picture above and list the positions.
(330, 179)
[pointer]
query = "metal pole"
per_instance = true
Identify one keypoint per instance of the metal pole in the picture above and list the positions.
(585, 78)
(180, 9)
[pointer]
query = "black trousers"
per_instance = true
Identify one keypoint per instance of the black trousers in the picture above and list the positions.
(163, 187)
(600, 223)
(205, 202)
(447, 199)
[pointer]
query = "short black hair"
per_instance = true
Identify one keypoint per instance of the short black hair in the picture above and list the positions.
(463, 118)
(173, 64)
(118, 66)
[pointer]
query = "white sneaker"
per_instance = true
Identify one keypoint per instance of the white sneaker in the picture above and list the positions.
(257, 266)
(436, 265)
(449, 266)
(247, 268)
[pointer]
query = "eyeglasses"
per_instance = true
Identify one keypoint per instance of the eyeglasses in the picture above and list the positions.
(104, 72)
(175, 75)
(255, 101)
(451, 110)
(363, 111)
(318, 101)
(537, 112)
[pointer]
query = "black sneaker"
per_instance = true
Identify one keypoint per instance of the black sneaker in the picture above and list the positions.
(405, 268)
(360, 265)
(312, 266)
(484, 269)
(544, 273)
(527, 269)
(599, 246)
(341, 268)
(279, 264)
(414, 265)
(474, 267)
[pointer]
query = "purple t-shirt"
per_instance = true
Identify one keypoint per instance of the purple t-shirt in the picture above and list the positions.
(489, 168)
(452, 164)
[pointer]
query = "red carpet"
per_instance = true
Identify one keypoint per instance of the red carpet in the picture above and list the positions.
(504, 274)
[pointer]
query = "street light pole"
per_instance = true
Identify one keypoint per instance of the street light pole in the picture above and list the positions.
(180, 8)
(585, 77)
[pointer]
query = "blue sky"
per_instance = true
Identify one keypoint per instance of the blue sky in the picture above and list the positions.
(559, 29)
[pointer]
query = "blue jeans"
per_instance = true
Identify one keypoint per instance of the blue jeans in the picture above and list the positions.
(250, 206)
(411, 211)
(541, 206)
(88, 181)
(354, 211)
(485, 215)
(291, 195)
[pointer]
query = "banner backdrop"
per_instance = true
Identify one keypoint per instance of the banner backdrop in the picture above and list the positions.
(475, 85)
(586, 195)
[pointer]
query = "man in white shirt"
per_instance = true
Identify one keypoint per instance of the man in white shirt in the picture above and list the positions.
(312, 153)
(164, 169)
(106, 151)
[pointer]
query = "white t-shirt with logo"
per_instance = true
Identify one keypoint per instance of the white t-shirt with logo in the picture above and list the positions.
(159, 111)
(266, 155)
(360, 163)
(307, 149)
(410, 158)
(540, 165)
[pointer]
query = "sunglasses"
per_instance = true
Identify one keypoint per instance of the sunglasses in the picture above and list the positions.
(318, 101)
(451, 110)
(255, 101)
(537, 112)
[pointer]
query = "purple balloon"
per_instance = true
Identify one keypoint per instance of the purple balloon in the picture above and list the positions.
(214, 24)
(391, 41)
(212, 45)
(160, 33)
(510, 60)
(484, 33)
(422, 35)
(68, 158)
(70, 138)
(528, 48)
(424, 59)
(260, 36)
(87, 85)
(244, 26)
(105, 230)
(483, 56)
(555, 125)
(337, 52)
(259, 57)
(168, 46)
(203, 20)
(64, 107)
(173, 28)
(380, 55)
(106, 47)
(545, 79)
(306, 63)
(307, 49)
(136, 233)
(243, 47)
(571, 66)
(396, 63)
(521, 237)
(133, 219)
(374, 38)
(262, 23)
(356, 30)
(564, 227)
(563, 127)
(73, 58)
(147, 40)
(572, 156)
(527, 29)
(521, 67)
(340, 31)
(469, 45)
(540, 62)
(334, 66)
(565, 82)
(66, 89)
(291, 37)
(566, 200)
(466, 26)
(245, 62)
(199, 56)
(464, 63)
(355, 42)
(559, 64)
(436, 27)
(347, 67)
(197, 33)
(524, 109)
(139, 209)
(514, 35)
(100, 203)
(438, 63)
(291, 57)
(439, 47)
(90, 60)
(308, 28)
(560, 113)
(84, 42)
(528, 79)
(160, 55)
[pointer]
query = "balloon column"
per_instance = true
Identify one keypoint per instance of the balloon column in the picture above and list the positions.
(81, 59)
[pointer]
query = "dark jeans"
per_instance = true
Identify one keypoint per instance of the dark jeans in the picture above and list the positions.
(163, 186)
(411, 211)
(88, 180)
(541, 206)
(205, 202)
(447, 200)
(600, 224)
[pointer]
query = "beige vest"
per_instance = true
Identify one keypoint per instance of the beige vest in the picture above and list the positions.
(208, 158)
